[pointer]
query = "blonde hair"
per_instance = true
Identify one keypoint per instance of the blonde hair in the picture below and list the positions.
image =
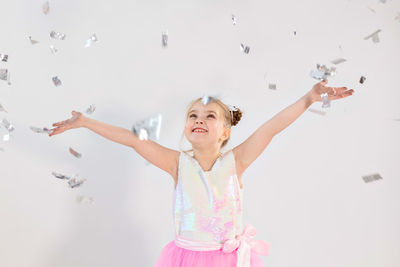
(230, 115)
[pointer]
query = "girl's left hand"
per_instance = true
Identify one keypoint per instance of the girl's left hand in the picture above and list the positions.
(333, 92)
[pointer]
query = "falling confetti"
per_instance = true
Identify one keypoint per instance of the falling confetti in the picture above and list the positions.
(362, 79)
(326, 103)
(74, 182)
(2, 149)
(61, 176)
(90, 109)
(244, 49)
(233, 19)
(91, 40)
(205, 99)
(4, 74)
(148, 128)
(316, 111)
(46, 7)
(374, 36)
(164, 39)
(56, 81)
(322, 72)
(7, 125)
(53, 49)
(40, 130)
(6, 137)
(272, 86)
(3, 57)
(57, 35)
(33, 41)
(74, 153)
(372, 177)
(84, 199)
(2, 108)
(338, 61)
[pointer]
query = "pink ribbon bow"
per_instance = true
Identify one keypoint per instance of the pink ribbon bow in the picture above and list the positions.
(245, 244)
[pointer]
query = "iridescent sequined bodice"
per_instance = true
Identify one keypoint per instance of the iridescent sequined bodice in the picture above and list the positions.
(207, 205)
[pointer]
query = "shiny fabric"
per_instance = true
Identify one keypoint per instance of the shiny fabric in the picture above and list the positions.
(207, 204)
(207, 212)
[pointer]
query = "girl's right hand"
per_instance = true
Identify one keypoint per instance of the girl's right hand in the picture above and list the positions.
(76, 121)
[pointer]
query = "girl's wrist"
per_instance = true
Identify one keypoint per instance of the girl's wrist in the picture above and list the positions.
(310, 98)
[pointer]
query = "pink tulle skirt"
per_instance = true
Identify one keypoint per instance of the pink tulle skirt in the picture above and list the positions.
(174, 256)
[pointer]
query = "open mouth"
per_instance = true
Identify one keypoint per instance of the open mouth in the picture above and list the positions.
(199, 130)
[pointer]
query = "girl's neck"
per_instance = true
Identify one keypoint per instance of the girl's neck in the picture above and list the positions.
(206, 158)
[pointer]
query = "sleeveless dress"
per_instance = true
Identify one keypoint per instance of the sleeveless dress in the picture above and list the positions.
(207, 213)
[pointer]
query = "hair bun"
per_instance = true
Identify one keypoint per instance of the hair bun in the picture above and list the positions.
(236, 116)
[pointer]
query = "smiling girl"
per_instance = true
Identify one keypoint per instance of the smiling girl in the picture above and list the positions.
(208, 187)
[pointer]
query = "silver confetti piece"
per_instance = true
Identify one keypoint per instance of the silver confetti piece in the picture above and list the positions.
(7, 125)
(319, 112)
(397, 17)
(326, 103)
(40, 130)
(338, 61)
(46, 7)
(33, 41)
(74, 182)
(148, 128)
(56, 81)
(383, 1)
(60, 176)
(362, 79)
(84, 199)
(322, 72)
(2, 108)
(57, 35)
(374, 36)
(2, 149)
(74, 153)
(3, 57)
(164, 39)
(372, 177)
(272, 86)
(245, 49)
(91, 40)
(371, 9)
(233, 19)
(205, 100)
(4, 74)
(90, 109)
(53, 49)
(6, 137)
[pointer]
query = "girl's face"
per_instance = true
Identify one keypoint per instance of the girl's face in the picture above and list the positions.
(205, 125)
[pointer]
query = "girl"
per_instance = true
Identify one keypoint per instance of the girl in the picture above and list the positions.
(208, 184)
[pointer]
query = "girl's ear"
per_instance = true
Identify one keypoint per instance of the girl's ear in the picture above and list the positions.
(227, 133)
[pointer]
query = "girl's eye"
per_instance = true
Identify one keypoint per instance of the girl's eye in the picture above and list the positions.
(211, 116)
(192, 115)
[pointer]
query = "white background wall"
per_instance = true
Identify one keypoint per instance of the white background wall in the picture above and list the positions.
(305, 193)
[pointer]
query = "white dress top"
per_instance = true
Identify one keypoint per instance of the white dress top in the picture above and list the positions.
(207, 208)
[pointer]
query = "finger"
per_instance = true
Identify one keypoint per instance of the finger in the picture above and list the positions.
(57, 130)
(59, 123)
(343, 95)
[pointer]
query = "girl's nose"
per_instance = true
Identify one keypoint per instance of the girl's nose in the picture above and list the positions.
(199, 122)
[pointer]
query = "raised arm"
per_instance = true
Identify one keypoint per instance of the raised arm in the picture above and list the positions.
(164, 158)
(253, 146)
